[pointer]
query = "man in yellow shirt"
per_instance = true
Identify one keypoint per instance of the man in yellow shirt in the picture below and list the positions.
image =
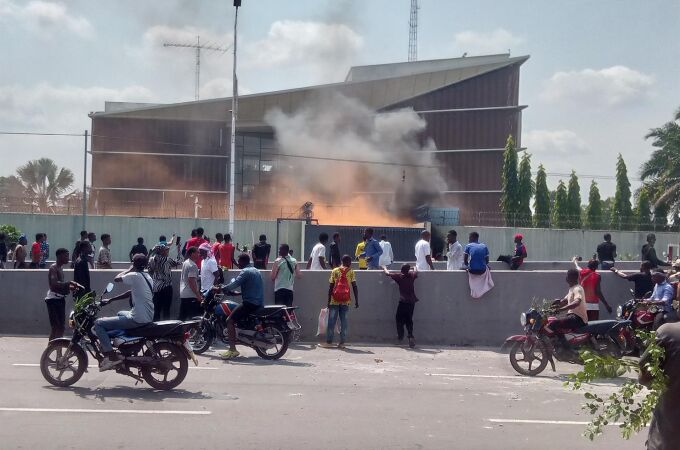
(339, 299)
(363, 265)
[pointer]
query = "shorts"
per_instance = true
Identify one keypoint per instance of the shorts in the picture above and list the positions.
(283, 297)
(242, 311)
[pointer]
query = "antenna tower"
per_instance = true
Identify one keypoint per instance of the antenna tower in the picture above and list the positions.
(198, 47)
(413, 32)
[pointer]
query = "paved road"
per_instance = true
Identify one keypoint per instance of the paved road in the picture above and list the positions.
(361, 398)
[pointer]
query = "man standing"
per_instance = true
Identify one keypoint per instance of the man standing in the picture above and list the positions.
(104, 255)
(76, 248)
(219, 239)
(454, 253)
(44, 251)
(642, 279)
(387, 257)
(210, 274)
(339, 299)
(517, 259)
(261, 252)
(606, 253)
(81, 270)
(476, 257)
(139, 248)
(424, 252)
(358, 252)
(20, 253)
(55, 298)
(648, 252)
(3, 250)
(372, 250)
(36, 252)
(662, 296)
(590, 280)
(226, 256)
(317, 260)
(407, 301)
(335, 251)
(284, 272)
(92, 238)
(160, 269)
(189, 294)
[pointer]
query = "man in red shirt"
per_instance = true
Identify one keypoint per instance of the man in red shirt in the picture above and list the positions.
(215, 247)
(36, 251)
(226, 253)
(590, 280)
(196, 241)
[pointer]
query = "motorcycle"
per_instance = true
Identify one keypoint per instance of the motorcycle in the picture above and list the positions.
(531, 352)
(158, 352)
(268, 331)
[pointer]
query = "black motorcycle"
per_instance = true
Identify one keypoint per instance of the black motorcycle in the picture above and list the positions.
(268, 331)
(158, 352)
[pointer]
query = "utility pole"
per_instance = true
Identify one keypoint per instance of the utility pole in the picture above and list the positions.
(198, 47)
(413, 32)
(84, 227)
(234, 113)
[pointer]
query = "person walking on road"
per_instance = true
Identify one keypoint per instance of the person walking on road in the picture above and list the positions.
(372, 250)
(387, 257)
(284, 272)
(455, 252)
(160, 269)
(606, 253)
(189, 293)
(317, 259)
(339, 299)
(424, 252)
(405, 279)
(55, 300)
(104, 255)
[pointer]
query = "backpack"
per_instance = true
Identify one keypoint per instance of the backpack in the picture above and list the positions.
(341, 288)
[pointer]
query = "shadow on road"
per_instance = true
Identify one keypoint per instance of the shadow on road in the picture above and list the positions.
(356, 351)
(132, 393)
(423, 350)
(257, 361)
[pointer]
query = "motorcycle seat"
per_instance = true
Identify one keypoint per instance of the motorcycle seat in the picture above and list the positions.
(268, 309)
(598, 326)
(156, 329)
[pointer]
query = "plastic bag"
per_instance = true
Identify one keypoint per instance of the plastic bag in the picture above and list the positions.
(323, 323)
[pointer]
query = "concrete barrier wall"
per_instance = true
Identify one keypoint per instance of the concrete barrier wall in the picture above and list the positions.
(446, 314)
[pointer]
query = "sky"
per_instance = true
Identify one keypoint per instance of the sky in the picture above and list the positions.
(601, 72)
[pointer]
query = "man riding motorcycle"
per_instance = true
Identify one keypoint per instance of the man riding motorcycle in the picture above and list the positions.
(662, 295)
(141, 295)
(575, 305)
(252, 292)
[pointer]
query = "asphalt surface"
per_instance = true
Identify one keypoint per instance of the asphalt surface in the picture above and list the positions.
(365, 397)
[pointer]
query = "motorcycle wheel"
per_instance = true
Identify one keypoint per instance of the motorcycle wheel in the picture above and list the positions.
(201, 337)
(161, 379)
(280, 347)
(60, 358)
(529, 358)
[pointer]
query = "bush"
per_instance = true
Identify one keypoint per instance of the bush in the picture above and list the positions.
(12, 233)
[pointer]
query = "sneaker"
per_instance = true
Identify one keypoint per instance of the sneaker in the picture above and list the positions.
(412, 342)
(326, 345)
(109, 363)
(229, 354)
(341, 345)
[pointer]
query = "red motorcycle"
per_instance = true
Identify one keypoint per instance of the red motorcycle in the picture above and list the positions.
(531, 352)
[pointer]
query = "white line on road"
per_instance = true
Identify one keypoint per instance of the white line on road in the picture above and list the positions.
(108, 411)
(95, 366)
(544, 422)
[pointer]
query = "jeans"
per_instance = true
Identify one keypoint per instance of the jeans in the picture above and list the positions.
(333, 312)
(56, 311)
(120, 322)
(405, 317)
(161, 303)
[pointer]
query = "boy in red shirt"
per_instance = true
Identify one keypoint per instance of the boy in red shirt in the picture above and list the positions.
(36, 251)
(590, 280)
(226, 253)
(407, 301)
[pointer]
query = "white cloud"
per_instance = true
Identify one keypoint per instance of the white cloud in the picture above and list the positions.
(609, 87)
(499, 40)
(554, 143)
(324, 47)
(45, 18)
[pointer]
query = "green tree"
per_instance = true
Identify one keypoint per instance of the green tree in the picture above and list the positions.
(510, 183)
(542, 200)
(574, 202)
(643, 209)
(44, 182)
(12, 233)
(622, 211)
(595, 210)
(526, 191)
(561, 207)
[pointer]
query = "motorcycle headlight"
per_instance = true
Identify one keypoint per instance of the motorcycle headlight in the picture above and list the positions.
(523, 319)
(619, 311)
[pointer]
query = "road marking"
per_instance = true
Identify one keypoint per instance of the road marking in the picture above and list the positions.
(95, 366)
(108, 411)
(460, 375)
(545, 422)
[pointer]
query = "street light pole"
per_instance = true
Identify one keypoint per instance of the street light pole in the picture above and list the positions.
(234, 112)
(84, 227)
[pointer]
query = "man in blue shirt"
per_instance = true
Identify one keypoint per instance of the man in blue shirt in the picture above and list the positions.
(663, 296)
(476, 257)
(372, 250)
(252, 293)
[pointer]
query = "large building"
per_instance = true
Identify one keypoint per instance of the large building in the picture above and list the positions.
(161, 159)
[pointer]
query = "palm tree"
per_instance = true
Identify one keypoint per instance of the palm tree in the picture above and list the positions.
(44, 182)
(663, 167)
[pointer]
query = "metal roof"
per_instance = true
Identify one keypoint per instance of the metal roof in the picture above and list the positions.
(377, 86)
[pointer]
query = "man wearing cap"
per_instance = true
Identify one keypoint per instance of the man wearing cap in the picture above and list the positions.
(520, 253)
(141, 313)
(160, 269)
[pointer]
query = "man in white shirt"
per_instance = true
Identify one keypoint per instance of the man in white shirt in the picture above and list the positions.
(317, 260)
(424, 253)
(209, 270)
(455, 252)
(387, 256)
